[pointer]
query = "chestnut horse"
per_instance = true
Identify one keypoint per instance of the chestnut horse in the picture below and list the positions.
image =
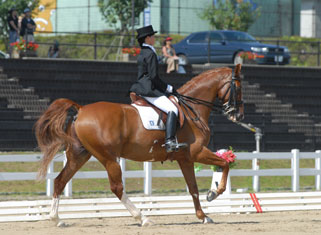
(111, 130)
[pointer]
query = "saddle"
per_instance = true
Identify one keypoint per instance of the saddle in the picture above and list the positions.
(140, 101)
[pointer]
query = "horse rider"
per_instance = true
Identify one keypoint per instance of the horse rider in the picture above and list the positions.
(152, 88)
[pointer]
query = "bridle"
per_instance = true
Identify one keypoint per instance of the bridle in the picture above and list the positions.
(231, 106)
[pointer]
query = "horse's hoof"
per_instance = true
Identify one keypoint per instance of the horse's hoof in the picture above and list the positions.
(146, 222)
(208, 220)
(211, 195)
(54, 220)
(57, 222)
(61, 224)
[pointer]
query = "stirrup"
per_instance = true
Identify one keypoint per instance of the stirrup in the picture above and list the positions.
(173, 145)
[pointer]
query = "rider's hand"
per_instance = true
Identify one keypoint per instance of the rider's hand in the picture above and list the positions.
(174, 92)
(171, 90)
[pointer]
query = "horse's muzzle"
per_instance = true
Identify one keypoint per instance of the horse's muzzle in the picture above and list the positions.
(239, 117)
(235, 117)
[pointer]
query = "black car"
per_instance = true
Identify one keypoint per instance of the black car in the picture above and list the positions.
(228, 46)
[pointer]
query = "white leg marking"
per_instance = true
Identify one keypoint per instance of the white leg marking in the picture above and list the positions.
(134, 211)
(131, 207)
(54, 208)
(53, 216)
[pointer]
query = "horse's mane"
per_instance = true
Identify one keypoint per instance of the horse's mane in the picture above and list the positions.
(195, 81)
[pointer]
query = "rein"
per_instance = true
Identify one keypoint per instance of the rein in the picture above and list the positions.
(185, 100)
(226, 108)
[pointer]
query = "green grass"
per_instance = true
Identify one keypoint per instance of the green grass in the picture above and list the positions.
(159, 185)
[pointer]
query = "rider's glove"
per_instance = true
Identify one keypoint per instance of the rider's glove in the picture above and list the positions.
(171, 90)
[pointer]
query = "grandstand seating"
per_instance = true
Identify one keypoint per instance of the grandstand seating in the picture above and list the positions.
(15, 132)
(267, 91)
(298, 90)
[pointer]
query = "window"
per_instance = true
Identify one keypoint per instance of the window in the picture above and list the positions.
(239, 36)
(198, 38)
(216, 37)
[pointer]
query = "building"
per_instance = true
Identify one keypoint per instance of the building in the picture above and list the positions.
(278, 17)
(310, 18)
(69, 16)
(166, 16)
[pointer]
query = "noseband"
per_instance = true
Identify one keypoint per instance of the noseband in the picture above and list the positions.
(232, 105)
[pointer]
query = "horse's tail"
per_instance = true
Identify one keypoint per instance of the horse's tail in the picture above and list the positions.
(50, 130)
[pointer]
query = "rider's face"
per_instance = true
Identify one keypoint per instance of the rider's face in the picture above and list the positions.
(150, 40)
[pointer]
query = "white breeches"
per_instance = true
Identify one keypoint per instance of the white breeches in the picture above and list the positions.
(163, 103)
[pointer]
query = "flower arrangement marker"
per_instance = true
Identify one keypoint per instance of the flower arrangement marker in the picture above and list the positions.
(22, 46)
(134, 51)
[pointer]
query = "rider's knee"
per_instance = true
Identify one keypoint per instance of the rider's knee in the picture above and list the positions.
(172, 108)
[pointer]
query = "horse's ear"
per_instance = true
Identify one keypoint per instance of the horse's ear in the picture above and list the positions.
(237, 70)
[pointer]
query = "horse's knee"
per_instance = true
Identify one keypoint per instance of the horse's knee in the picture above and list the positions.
(117, 189)
(226, 165)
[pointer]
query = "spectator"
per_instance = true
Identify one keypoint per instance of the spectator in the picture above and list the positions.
(28, 26)
(169, 56)
(13, 27)
(54, 50)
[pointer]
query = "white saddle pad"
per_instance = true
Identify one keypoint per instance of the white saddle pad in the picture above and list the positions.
(150, 118)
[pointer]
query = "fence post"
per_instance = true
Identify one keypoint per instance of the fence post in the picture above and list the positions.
(256, 178)
(295, 170)
(278, 53)
(50, 182)
(148, 178)
(318, 59)
(318, 167)
(209, 47)
(95, 46)
(68, 187)
(122, 163)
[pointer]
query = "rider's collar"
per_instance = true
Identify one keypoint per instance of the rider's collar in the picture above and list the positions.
(150, 46)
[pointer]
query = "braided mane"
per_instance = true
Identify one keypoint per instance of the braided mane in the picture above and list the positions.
(197, 81)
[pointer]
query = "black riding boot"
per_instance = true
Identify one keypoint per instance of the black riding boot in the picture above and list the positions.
(170, 141)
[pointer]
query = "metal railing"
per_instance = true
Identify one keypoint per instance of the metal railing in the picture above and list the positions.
(107, 46)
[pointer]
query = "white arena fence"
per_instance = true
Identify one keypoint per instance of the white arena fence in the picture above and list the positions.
(166, 205)
(295, 171)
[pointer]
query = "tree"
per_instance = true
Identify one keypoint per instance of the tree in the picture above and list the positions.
(115, 11)
(5, 6)
(231, 14)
